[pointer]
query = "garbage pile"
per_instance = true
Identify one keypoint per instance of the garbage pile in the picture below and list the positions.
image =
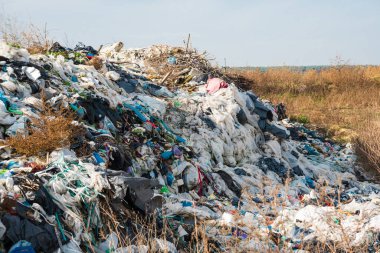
(169, 159)
(164, 65)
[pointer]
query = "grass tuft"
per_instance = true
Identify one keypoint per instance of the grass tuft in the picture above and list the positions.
(50, 131)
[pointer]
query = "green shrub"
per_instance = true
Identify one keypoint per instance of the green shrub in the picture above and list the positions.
(301, 118)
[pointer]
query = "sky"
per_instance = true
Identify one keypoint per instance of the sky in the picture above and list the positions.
(244, 32)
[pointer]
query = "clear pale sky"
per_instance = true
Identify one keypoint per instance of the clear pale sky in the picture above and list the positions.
(245, 32)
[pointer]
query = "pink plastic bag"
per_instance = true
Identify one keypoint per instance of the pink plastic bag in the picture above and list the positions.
(214, 84)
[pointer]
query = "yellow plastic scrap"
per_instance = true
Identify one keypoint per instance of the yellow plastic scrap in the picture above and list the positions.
(188, 79)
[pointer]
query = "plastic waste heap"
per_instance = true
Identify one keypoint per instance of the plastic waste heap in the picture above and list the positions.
(172, 156)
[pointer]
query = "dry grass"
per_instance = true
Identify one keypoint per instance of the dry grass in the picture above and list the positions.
(96, 62)
(33, 38)
(53, 129)
(344, 100)
(369, 144)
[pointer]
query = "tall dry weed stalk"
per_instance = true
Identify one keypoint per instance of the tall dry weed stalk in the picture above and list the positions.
(32, 37)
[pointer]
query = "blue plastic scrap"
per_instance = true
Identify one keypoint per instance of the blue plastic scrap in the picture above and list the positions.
(98, 158)
(167, 154)
(136, 111)
(310, 182)
(74, 79)
(172, 60)
(170, 179)
(22, 247)
(186, 203)
(310, 150)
